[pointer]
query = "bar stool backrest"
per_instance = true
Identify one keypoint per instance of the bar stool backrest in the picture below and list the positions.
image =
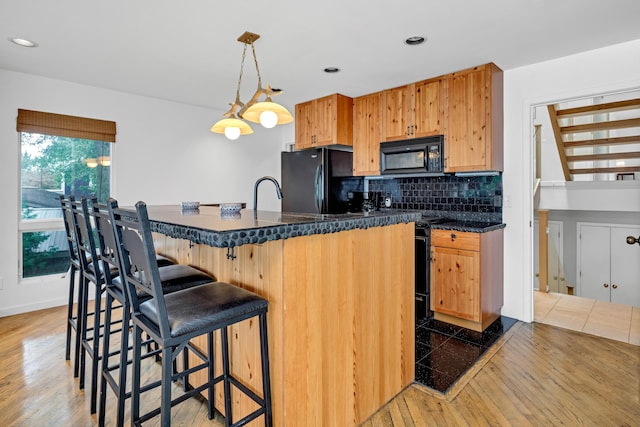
(138, 266)
(86, 242)
(70, 230)
(107, 248)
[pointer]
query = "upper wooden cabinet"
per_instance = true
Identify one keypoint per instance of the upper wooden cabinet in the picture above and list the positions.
(397, 113)
(474, 124)
(413, 111)
(367, 131)
(324, 121)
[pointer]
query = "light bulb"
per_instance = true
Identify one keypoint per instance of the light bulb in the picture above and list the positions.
(268, 119)
(232, 132)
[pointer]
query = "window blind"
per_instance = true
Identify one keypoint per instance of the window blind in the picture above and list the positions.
(63, 125)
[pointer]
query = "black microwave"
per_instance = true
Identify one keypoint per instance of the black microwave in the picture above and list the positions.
(419, 156)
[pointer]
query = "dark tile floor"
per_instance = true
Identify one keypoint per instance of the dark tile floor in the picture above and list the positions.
(444, 352)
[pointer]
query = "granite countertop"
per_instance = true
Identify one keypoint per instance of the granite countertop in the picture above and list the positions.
(471, 226)
(208, 226)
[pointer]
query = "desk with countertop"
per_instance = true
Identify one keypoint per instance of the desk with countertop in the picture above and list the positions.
(341, 303)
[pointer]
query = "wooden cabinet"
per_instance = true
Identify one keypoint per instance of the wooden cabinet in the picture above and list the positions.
(413, 111)
(467, 277)
(367, 131)
(341, 344)
(397, 113)
(474, 123)
(324, 121)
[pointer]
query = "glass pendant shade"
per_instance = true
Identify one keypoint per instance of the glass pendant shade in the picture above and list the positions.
(268, 119)
(254, 113)
(232, 128)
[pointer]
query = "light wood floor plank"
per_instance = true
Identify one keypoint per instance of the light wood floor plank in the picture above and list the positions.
(541, 375)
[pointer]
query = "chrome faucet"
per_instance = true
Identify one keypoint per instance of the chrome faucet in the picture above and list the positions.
(255, 189)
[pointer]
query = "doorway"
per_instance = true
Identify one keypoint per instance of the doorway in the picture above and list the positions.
(581, 200)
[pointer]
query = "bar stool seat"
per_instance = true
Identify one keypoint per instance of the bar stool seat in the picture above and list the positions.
(215, 304)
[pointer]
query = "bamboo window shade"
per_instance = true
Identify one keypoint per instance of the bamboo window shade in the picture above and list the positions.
(68, 126)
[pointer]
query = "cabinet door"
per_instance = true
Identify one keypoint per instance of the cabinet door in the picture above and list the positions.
(625, 266)
(455, 282)
(304, 124)
(367, 112)
(429, 108)
(467, 119)
(595, 263)
(397, 113)
(325, 120)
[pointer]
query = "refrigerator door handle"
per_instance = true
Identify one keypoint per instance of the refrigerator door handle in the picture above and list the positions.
(318, 188)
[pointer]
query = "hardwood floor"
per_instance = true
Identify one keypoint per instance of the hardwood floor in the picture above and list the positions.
(538, 375)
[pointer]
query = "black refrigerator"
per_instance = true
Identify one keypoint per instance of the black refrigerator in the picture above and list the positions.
(320, 180)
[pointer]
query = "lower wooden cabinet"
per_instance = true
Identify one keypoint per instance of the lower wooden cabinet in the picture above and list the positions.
(467, 277)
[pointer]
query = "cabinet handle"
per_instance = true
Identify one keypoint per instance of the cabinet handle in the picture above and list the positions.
(453, 236)
(555, 277)
(408, 130)
(614, 286)
(606, 285)
(562, 279)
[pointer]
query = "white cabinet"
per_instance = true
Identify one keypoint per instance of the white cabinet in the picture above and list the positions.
(609, 268)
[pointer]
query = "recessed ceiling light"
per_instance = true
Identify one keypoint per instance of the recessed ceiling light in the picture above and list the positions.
(331, 70)
(23, 42)
(415, 40)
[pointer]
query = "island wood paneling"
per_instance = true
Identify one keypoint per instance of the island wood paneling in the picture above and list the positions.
(341, 320)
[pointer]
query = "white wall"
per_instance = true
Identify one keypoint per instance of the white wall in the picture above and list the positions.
(164, 153)
(615, 68)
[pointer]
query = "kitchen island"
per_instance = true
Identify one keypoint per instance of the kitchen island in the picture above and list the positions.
(341, 304)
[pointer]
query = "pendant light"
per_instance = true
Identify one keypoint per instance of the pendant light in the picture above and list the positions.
(267, 112)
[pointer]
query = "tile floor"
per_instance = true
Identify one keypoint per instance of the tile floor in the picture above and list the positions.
(605, 319)
(445, 352)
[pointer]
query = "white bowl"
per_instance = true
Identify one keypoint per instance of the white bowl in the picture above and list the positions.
(226, 208)
(189, 206)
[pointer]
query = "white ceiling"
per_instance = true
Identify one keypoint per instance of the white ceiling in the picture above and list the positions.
(186, 51)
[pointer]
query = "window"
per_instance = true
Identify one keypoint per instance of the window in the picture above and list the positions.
(59, 155)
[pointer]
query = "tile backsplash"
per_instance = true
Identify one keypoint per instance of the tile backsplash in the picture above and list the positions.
(477, 198)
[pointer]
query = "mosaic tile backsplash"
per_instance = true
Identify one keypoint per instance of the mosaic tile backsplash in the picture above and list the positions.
(474, 197)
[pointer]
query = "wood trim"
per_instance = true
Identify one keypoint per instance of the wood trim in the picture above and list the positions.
(627, 169)
(634, 139)
(609, 125)
(65, 126)
(607, 156)
(543, 249)
(609, 107)
(559, 142)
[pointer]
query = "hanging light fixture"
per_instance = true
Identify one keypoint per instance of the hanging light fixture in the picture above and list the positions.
(267, 112)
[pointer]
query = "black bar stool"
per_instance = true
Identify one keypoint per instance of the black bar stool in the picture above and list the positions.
(73, 314)
(172, 320)
(174, 277)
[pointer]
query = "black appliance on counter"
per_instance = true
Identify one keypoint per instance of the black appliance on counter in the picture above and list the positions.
(418, 157)
(320, 180)
(423, 266)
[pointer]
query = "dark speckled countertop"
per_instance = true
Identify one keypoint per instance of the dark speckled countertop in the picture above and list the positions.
(207, 225)
(471, 226)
